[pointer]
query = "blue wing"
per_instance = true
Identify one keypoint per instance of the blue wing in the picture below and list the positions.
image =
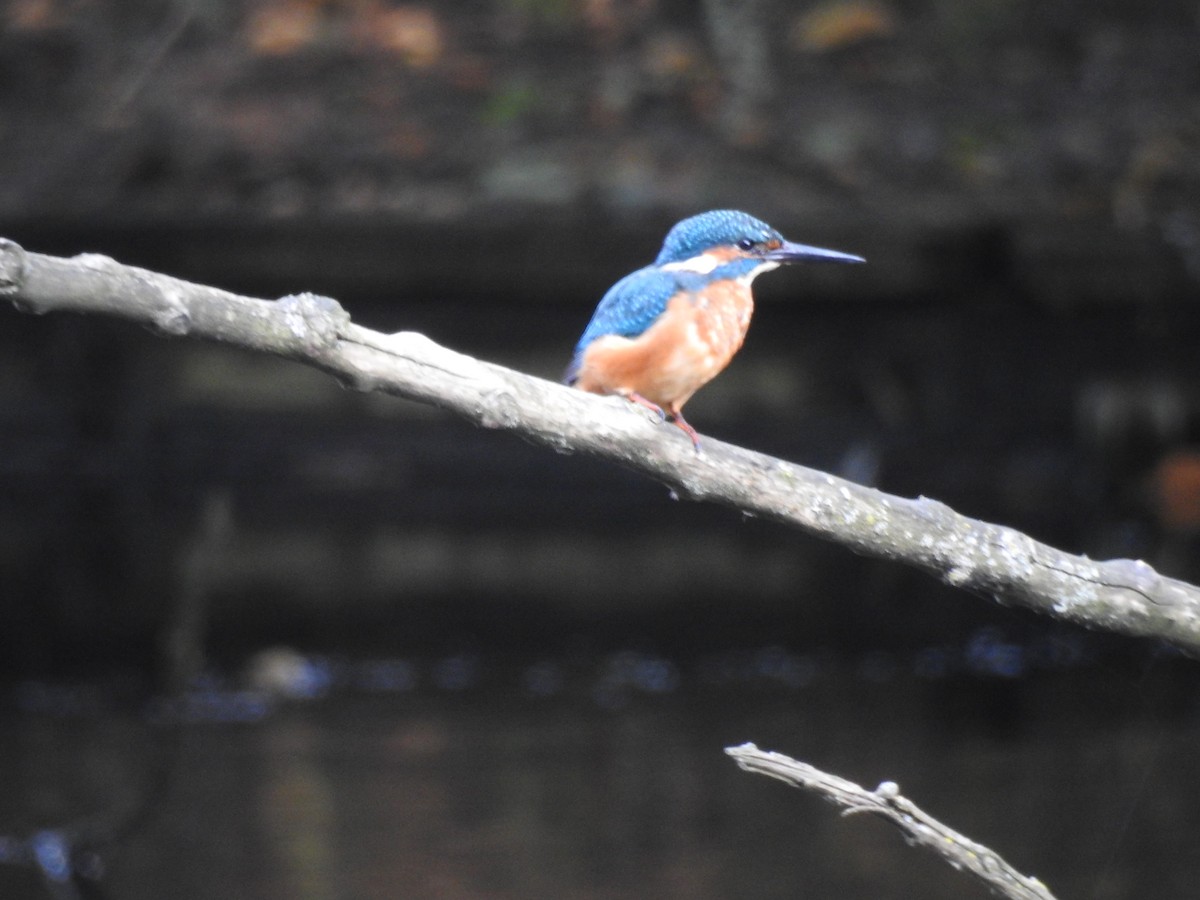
(629, 308)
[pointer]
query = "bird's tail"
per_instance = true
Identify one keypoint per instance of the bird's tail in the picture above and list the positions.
(571, 374)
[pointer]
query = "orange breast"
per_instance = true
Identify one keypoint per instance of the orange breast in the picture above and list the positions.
(689, 344)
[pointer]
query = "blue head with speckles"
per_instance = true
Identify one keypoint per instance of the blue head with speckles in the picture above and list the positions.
(719, 227)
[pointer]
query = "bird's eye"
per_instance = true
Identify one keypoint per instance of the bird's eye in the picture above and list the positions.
(745, 244)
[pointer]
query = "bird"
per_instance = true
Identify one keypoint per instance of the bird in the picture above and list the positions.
(661, 333)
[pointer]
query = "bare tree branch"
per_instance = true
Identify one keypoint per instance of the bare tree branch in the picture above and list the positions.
(886, 800)
(1121, 595)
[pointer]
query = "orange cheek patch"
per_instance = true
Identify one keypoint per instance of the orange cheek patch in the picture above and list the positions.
(725, 254)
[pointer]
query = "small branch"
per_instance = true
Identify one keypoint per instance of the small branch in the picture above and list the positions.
(886, 800)
(1121, 595)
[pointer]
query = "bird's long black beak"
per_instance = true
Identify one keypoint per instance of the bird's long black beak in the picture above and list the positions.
(794, 253)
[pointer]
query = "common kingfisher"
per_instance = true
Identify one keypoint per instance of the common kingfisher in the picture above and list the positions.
(663, 332)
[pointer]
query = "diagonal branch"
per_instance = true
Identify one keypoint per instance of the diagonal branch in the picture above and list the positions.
(1121, 595)
(886, 800)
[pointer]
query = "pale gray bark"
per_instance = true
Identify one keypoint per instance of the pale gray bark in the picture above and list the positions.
(1121, 595)
(918, 826)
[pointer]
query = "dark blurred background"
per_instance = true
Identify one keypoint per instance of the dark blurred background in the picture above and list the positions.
(264, 637)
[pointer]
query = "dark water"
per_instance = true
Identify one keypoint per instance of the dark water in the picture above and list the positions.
(528, 784)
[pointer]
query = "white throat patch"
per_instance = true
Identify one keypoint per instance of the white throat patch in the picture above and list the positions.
(765, 266)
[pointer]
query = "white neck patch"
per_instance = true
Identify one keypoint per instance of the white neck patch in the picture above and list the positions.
(701, 265)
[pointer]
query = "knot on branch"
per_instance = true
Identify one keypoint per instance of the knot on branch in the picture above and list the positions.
(313, 322)
(173, 318)
(12, 267)
(498, 408)
(888, 791)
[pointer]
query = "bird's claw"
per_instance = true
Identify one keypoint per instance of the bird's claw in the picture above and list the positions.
(674, 415)
(634, 397)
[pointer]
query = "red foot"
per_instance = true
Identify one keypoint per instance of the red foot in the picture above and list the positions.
(675, 416)
(681, 423)
(634, 397)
